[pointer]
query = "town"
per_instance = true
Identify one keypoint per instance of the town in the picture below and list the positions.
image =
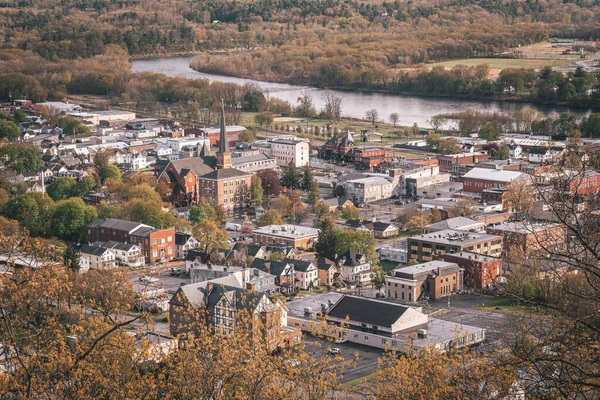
(357, 244)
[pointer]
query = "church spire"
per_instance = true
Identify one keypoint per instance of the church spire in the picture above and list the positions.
(223, 134)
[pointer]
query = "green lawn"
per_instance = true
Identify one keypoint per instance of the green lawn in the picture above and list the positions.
(501, 63)
(508, 305)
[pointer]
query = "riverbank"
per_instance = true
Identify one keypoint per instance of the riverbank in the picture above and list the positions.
(467, 97)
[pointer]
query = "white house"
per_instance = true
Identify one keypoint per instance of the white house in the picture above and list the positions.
(541, 154)
(515, 151)
(354, 268)
(95, 257)
(184, 242)
(307, 273)
(128, 254)
(132, 161)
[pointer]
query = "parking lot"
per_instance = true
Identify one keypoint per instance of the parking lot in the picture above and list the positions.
(365, 360)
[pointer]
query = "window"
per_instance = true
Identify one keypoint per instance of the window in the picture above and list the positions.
(225, 184)
(155, 241)
(169, 238)
(154, 253)
(169, 250)
(162, 241)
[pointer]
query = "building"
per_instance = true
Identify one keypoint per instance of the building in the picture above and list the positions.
(286, 150)
(378, 323)
(583, 183)
(457, 223)
(369, 189)
(156, 244)
(94, 257)
(354, 268)
(225, 307)
(396, 253)
(479, 179)
(337, 147)
(530, 236)
(184, 242)
(284, 273)
(424, 247)
(430, 280)
(540, 155)
(128, 254)
(415, 180)
(459, 164)
(379, 229)
(307, 275)
(290, 235)
(369, 157)
(254, 163)
(326, 270)
(480, 271)
(214, 134)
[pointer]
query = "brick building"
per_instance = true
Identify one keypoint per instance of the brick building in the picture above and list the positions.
(530, 236)
(369, 157)
(290, 235)
(156, 244)
(459, 164)
(480, 271)
(433, 280)
(338, 147)
(479, 179)
(578, 182)
(425, 247)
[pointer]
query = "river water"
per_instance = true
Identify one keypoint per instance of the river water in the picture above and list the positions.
(411, 109)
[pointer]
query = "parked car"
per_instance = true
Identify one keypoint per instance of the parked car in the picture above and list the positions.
(334, 350)
(341, 340)
(148, 279)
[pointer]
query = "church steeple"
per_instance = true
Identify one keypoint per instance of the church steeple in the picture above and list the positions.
(223, 155)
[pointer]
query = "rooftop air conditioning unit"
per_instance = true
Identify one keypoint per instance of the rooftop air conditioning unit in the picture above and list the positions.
(307, 310)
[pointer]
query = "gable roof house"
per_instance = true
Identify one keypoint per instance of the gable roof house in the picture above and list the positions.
(354, 267)
(306, 273)
(285, 274)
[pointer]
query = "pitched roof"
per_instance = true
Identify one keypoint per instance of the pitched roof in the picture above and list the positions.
(369, 311)
(299, 265)
(182, 238)
(350, 258)
(453, 223)
(199, 165)
(324, 263)
(95, 250)
(225, 173)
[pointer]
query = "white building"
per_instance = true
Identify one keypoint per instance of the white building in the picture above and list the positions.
(128, 254)
(178, 144)
(354, 268)
(307, 274)
(369, 189)
(254, 163)
(415, 180)
(457, 223)
(397, 254)
(286, 150)
(184, 242)
(94, 257)
(132, 161)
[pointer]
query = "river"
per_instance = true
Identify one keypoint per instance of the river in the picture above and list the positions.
(411, 109)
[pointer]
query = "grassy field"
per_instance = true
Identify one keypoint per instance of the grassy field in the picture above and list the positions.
(502, 63)
(510, 306)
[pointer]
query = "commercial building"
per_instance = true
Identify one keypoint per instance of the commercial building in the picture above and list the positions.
(338, 147)
(582, 183)
(287, 150)
(425, 247)
(530, 236)
(369, 189)
(459, 164)
(480, 271)
(289, 235)
(369, 157)
(457, 223)
(430, 280)
(415, 180)
(156, 244)
(377, 323)
(479, 179)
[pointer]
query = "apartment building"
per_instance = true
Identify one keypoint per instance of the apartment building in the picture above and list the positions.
(480, 271)
(530, 236)
(286, 150)
(94, 257)
(459, 164)
(369, 189)
(430, 280)
(354, 268)
(424, 247)
(156, 244)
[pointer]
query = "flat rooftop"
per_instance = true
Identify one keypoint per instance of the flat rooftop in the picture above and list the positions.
(523, 227)
(495, 175)
(288, 231)
(418, 269)
(455, 237)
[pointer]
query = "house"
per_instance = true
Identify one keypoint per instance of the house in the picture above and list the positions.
(457, 223)
(288, 235)
(338, 147)
(95, 257)
(127, 254)
(379, 323)
(224, 307)
(133, 161)
(226, 255)
(354, 268)
(256, 251)
(430, 280)
(93, 198)
(424, 247)
(379, 229)
(336, 203)
(184, 242)
(515, 151)
(542, 155)
(156, 244)
(285, 274)
(182, 212)
(326, 270)
(396, 253)
(307, 275)
(480, 271)
(194, 259)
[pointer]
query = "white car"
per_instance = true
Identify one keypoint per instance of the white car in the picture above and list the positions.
(334, 350)
(341, 340)
(148, 279)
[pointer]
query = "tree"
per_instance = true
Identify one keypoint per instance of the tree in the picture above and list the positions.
(321, 209)
(350, 212)
(372, 115)
(276, 256)
(305, 107)
(270, 182)
(413, 261)
(102, 160)
(339, 190)
(449, 145)
(256, 190)
(462, 208)
(590, 126)
(19, 116)
(488, 132)
(327, 241)
(33, 211)
(110, 172)
(61, 188)
(519, 198)
(83, 186)
(209, 235)
(378, 277)
(22, 157)
(264, 118)
(394, 118)
(270, 217)
(290, 178)
(361, 241)
(503, 152)
(416, 224)
(333, 106)
(71, 258)
(434, 141)
(9, 227)
(70, 218)
(415, 130)
(147, 212)
(9, 130)
(437, 122)
(247, 136)
(314, 194)
(307, 178)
